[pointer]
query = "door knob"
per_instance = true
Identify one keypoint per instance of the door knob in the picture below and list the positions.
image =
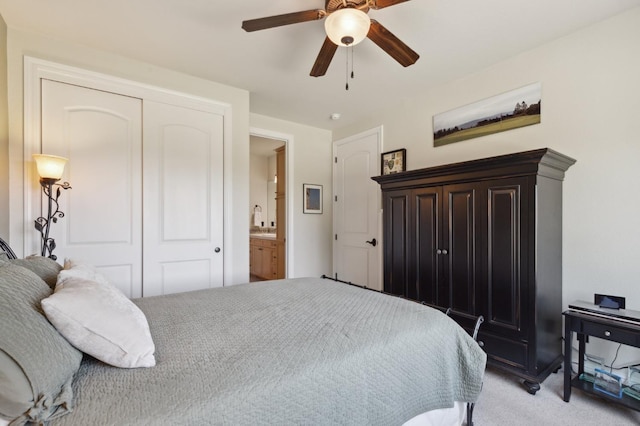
(373, 242)
(217, 249)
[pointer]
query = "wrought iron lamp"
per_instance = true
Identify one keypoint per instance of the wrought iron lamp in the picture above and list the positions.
(50, 169)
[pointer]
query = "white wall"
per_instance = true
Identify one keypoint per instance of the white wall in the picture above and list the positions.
(4, 132)
(236, 155)
(591, 112)
(309, 155)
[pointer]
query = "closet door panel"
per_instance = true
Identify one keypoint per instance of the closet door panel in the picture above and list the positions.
(101, 135)
(183, 199)
(184, 183)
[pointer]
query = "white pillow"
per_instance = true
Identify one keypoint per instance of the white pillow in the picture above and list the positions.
(78, 269)
(99, 320)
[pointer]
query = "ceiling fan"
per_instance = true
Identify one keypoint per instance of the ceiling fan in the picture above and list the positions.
(347, 24)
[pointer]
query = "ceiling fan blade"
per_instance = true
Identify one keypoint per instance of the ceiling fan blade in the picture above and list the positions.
(280, 20)
(324, 58)
(381, 4)
(392, 44)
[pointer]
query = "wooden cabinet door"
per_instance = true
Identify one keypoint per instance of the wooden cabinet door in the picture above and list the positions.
(397, 231)
(426, 278)
(266, 254)
(254, 260)
(504, 291)
(411, 240)
(459, 248)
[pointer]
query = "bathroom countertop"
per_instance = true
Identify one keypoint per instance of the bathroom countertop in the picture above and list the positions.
(263, 235)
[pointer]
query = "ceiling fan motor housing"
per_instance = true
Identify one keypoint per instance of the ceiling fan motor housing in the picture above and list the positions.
(333, 5)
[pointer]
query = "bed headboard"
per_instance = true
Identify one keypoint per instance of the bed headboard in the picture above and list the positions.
(4, 248)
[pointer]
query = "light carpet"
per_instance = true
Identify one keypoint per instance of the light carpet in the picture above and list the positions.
(505, 401)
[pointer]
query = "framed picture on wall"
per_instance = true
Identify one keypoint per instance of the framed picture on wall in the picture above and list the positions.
(312, 196)
(393, 161)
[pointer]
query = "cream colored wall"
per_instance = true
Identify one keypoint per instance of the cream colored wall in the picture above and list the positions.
(236, 169)
(4, 134)
(591, 112)
(309, 242)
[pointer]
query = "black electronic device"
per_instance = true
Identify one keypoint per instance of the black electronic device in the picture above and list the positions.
(626, 315)
(608, 301)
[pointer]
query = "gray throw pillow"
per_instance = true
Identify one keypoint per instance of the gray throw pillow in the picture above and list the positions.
(43, 267)
(32, 351)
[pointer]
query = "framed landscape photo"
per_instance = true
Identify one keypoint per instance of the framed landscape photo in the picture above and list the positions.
(393, 161)
(507, 111)
(312, 196)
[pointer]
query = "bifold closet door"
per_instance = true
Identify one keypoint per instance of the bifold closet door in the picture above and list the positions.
(101, 135)
(183, 199)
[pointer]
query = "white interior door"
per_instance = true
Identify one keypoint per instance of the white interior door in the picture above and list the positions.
(356, 246)
(183, 199)
(101, 135)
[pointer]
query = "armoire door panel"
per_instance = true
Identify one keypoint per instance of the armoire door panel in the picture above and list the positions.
(503, 243)
(427, 204)
(396, 244)
(101, 135)
(183, 199)
(460, 256)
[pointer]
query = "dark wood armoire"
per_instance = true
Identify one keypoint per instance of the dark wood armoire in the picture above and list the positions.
(484, 237)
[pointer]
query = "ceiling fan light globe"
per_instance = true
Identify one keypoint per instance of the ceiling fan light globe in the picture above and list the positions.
(347, 24)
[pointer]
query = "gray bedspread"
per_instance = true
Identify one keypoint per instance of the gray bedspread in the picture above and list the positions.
(300, 351)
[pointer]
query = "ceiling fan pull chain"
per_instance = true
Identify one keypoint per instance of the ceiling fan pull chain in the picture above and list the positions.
(351, 48)
(347, 71)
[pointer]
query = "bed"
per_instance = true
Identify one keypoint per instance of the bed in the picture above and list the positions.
(294, 351)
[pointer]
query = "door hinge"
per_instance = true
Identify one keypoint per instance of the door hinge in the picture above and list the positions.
(335, 160)
(336, 237)
(336, 198)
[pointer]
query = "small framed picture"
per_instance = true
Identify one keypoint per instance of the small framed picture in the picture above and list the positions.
(312, 196)
(394, 161)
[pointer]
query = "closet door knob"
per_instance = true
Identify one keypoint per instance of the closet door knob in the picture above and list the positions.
(438, 251)
(445, 251)
(217, 249)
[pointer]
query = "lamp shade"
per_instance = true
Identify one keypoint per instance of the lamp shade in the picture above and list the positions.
(347, 27)
(50, 166)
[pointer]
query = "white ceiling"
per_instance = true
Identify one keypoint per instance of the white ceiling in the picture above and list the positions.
(204, 38)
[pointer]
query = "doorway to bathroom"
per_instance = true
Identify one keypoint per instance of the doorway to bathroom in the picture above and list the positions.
(268, 200)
